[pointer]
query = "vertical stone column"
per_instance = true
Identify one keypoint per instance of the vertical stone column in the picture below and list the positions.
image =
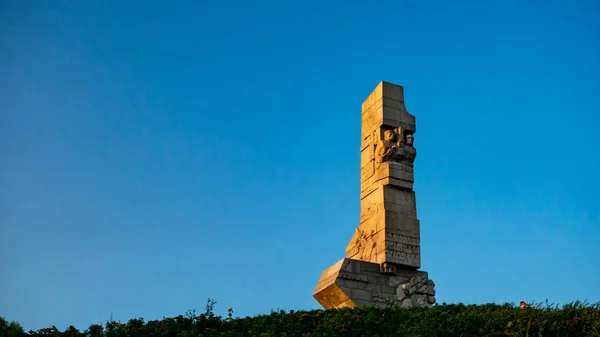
(384, 255)
(388, 233)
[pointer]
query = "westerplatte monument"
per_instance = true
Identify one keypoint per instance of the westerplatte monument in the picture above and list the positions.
(382, 262)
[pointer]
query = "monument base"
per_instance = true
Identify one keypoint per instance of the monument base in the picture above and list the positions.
(351, 283)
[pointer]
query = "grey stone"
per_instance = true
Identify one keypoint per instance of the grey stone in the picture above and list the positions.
(384, 298)
(387, 289)
(430, 299)
(374, 287)
(400, 294)
(353, 276)
(364, 295)
(421, 300)
(384, 253)
(430, 291)
(342, 283)
(395, 281)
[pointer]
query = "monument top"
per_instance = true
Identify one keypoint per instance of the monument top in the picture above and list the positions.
(383, 110)
(384, 90)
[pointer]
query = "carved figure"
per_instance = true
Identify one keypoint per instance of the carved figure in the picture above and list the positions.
(388, 147)
(407, 153)
(392, 148)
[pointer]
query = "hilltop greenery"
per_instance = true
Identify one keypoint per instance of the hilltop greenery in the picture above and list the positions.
(448, 320)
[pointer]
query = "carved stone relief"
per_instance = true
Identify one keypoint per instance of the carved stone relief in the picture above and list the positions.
(397, 146)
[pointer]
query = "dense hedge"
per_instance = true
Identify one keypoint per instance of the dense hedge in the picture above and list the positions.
(576, 319)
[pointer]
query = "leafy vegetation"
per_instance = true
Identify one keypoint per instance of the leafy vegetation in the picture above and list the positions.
(448, 320)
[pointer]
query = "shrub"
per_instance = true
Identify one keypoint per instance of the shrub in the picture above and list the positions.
(575, 319)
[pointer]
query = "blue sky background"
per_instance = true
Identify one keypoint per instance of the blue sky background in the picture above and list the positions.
(156, 153)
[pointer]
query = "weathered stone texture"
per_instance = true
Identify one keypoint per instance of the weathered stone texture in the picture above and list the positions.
(387, 177)
(385, 250)
(357, 281)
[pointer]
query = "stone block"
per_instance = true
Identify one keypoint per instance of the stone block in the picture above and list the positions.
(353, 276)
(371, 123)
(407, 302)
(409, 121)
(392, 115)
(385, 106)
(403, 254)
(393, 103)
(378, 278)
(374, 286)
(430, 291)
(392, 91)
(383, 255)
(387, 299)
(372, 98)
(398, 196)
(368, 269)
(350, 282)
(396, 281)
(367, 155)
(388, 290)
(371, 203)
(402, 209)
(363, 295)
(402, 224)
(421, 300)
(346, 284)
(399, 183)
(407, 259)
(390, 169)
(400, 294)
(367, 171)
(367, 140)
(402, 175)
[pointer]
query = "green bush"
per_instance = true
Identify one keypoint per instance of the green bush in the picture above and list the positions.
(448, 320)
(12, 329)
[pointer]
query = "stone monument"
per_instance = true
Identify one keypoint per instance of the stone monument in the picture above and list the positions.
(384, 254)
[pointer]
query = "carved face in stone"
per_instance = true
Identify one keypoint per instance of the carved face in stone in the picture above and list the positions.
(410, 139)
(389, 135)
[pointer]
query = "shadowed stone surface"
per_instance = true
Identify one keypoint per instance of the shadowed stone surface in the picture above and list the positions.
(384, 254)
(350, 283)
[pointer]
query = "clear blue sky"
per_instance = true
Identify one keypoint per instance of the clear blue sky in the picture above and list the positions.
(156, 153)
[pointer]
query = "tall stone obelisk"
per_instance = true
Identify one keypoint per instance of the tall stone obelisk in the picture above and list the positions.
(384, 255)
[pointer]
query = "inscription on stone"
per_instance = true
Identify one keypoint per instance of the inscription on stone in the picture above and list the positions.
(402, 239)
(399, 247)
(403, 258)
(384, 298)
(354, 277)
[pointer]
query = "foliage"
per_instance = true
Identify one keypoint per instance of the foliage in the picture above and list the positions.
(12, 329)
(575, 319)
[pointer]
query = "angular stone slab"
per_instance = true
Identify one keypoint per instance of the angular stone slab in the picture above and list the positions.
(351, 283)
